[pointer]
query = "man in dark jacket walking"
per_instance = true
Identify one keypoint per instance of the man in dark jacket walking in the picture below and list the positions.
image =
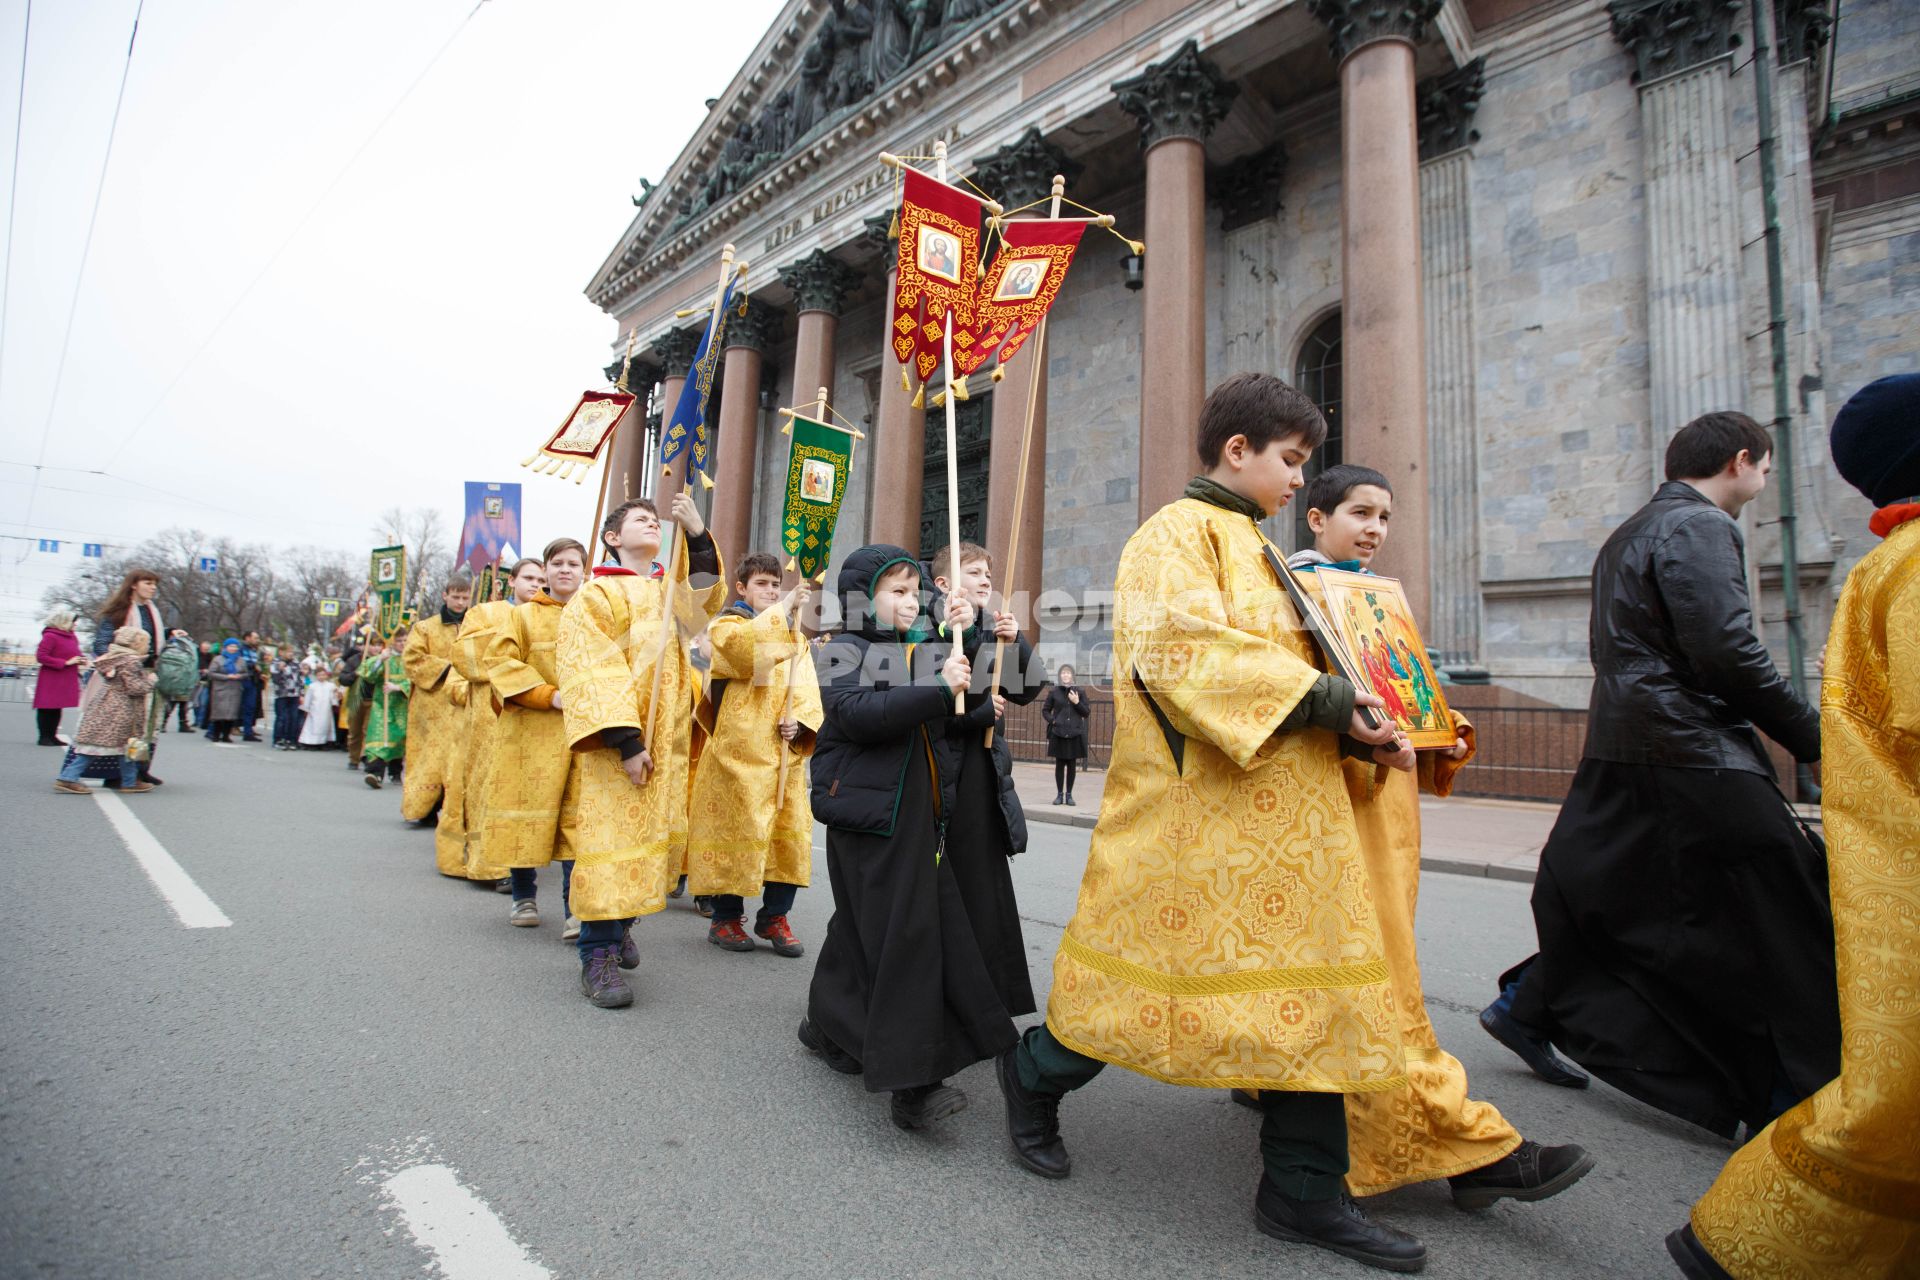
(1686, 939)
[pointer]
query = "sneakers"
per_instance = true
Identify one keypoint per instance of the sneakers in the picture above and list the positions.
(629, 950)
(729, 936)
(525, 914)
(830, 1053)
(703, 905)
(570, 932)
(136, 788)
(1338, 1226)
(71, 788)
(923, 1106)
(600, 980)
(372, 780)
(776, 931)
(503, 886)
(1033, 1121)
(1537, 1054)
(1529, 1172)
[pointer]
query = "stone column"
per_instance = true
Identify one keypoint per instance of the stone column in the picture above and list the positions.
(1383, 326)
(1018, 174)
(1177, 102)
(737, 443)
(899, 443)
(626, 452)
(1447, 103)
(1696, 352)
(820, 284)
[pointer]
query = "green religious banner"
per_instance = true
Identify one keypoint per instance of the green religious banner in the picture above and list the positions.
(387, 574)
(817, 471)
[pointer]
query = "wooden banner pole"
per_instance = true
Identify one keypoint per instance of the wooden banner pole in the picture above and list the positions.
(953, 452)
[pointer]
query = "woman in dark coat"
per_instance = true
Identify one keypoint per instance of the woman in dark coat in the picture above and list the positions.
(59, 684)
(1066, 714)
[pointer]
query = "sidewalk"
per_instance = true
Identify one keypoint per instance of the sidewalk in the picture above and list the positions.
(1498, 839)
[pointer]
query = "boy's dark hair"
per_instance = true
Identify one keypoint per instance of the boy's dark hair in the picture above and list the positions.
(1706, 445)
(558, 545)
(460, 580)
(618, 516)
(522, 563)
(1330, 488)
(970, 553)
(758, 562)
(1260, 407)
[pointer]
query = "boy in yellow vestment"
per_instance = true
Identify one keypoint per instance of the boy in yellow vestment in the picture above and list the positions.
(533, 793)
(1225, 935)
(1831, 1190)
(1428, 1128)
(762, 704)
(619, 651)
(483, 714)
(437, 729)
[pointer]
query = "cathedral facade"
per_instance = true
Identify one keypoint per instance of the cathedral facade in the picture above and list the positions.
(1510, 246)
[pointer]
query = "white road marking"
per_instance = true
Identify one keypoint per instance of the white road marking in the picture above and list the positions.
(195, 909)
(457, 1228)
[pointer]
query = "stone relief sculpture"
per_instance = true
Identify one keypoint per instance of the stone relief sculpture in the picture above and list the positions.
(851, 80)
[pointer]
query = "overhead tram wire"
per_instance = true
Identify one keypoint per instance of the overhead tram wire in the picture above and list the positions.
(13, 187)
(86, 249)
(298, 227)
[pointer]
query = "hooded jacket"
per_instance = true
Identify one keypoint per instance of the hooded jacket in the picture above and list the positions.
(878, 687)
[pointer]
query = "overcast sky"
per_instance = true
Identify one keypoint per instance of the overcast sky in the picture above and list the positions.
(425, 327)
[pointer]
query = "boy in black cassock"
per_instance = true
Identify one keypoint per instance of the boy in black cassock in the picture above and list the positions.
(923, 968)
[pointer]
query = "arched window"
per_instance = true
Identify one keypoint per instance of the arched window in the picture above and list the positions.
(1316, 371)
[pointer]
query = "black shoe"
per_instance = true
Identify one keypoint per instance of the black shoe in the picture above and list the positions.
(1529, 1172)
(830, 1053)
(1338, 1226)
(1059, 797)
(703, 905)
(679, 889)
(1692, 1257)
(1033, 1121)
(51, 742)
(1537, 1054)
(1248, 1098)
(1070, 803)
(920, 1107)
(353, 766)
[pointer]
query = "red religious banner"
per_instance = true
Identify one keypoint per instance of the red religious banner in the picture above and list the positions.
(576, 443)
(1022, 283)
(939, 260)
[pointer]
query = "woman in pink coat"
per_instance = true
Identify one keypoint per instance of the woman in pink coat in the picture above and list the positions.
(59, 684)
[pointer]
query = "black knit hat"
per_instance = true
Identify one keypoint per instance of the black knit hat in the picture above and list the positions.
(1876, 439)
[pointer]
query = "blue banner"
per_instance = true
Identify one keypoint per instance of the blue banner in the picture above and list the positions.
(490, 530)
(688, 425)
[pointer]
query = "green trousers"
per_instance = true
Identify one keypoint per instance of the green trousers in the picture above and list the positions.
(1303, 1136)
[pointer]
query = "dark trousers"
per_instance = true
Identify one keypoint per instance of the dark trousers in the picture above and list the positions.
(357, 730)
(1063, 776)
(249, 708)
(181, 707)
(386, 768)
(776, 899)
(526, 884)
(1303, 1136)
(595, 934)
(286, 718)
(49, 722)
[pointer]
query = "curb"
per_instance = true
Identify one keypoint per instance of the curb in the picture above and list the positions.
(1086, 820)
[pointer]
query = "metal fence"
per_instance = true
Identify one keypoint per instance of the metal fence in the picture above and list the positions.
(17, 688)
(1026, 730)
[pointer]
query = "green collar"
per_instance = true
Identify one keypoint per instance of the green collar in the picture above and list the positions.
(1211, 491)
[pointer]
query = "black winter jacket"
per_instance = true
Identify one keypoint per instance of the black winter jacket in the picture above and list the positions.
(1680, 678)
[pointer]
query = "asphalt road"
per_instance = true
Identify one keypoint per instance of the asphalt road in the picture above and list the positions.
(237, 1101)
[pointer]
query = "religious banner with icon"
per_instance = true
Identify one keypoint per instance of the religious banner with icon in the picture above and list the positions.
(575, 446)
(687, 429)
(817, 471)
(387, 575)
(1022, 283)
(938, 268)
(491, 530)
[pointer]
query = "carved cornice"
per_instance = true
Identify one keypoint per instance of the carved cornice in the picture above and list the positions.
(1023, 171)
(675, 351)
(1802, 29)
(1183, 97)
(758, 330)
(641, 374)
(879, 232)
(1667, 36)
(1446, 105)
(1248, 190)
(1353, 23)
(820, 282)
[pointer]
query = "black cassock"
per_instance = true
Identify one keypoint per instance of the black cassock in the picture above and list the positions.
(1686, 943)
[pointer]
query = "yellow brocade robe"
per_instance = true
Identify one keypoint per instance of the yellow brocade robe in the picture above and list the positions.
(533, 792)
(736, 842)
(1831, 1190)
(630, 839)
(470, 660)
(436, 741)
(1225, 934)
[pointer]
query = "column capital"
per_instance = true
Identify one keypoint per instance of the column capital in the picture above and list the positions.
(878, 233)
(1352, 23)
(1801, 29)
(1183, 97)
(674, 350)
(1248, 190)
(1665, 36)
(1023, 170)
(1446, 104)
(641, 374)
(757, 330)
(820, 282)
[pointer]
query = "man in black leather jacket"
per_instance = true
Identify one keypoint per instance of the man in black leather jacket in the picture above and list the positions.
(1686, 940)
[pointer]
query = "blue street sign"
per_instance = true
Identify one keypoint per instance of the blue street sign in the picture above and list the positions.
(209, 564)
(48, 544)
(92, 550)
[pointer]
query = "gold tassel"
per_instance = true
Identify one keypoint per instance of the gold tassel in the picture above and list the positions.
(919, 398)
(530, 459)
(893, 228)
(999, 373)
(791, 564)
(580, 474)
(706, 481)
(960, 387)
(938, 399)
(787, 430)
(906, 383)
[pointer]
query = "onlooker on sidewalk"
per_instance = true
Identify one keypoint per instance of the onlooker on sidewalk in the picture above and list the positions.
(177, 675)
(288, 685)
(59, 684)
(114, 714)
(251, 693)
(1065, 711)
(228, 678)
(321, 697)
